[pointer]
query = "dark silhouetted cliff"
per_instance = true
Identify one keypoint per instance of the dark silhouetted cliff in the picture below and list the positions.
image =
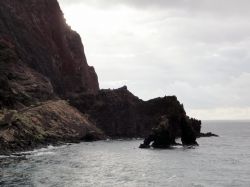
(121, 114)
(41, 60)
(41, 45)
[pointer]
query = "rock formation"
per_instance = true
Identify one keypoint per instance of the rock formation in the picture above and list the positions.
(188, 135)
(121, 114)
(42, 64)
(50, 122)
(41, 60)
(208, 134)
(38, 47)
(163, 135)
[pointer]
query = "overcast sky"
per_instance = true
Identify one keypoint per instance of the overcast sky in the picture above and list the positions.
(198, 50)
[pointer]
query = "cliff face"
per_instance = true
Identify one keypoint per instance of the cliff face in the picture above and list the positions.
(43, 42)
(41, 60)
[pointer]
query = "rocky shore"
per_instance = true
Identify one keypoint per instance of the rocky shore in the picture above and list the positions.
(50, 122)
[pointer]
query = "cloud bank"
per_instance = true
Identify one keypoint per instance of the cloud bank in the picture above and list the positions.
(197, 50)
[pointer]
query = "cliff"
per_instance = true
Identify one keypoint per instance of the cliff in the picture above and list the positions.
(42, 64)
(35, 40)
(121, 114)
(41, 60)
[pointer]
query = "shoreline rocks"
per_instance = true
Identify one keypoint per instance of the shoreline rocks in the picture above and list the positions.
(208, 134)
(163, 136)
(47, 123)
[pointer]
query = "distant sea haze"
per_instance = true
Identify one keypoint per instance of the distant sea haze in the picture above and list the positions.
(218, 161)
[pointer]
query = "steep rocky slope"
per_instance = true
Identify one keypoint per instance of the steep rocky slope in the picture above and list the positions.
(42, 63)
(49, 122)
(41, 40)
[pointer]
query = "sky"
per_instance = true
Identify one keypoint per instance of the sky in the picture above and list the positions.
(198, 50)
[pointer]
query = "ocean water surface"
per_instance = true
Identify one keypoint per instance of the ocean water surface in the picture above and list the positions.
(218, 161)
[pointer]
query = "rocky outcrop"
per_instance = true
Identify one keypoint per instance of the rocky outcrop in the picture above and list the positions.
(49, 122)
(121, 114)
(163, 135)
(208, 134)
(114, 111)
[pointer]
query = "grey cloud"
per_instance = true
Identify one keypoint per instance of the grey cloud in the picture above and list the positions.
(195, 49)
(228, 7)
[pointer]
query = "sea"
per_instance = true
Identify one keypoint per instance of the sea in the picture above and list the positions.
(217, 161)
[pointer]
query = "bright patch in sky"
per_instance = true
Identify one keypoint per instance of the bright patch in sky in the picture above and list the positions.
(198, 51)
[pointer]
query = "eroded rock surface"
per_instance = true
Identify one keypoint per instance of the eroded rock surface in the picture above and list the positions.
(121, 114)
(34, 35)
(49, 122)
